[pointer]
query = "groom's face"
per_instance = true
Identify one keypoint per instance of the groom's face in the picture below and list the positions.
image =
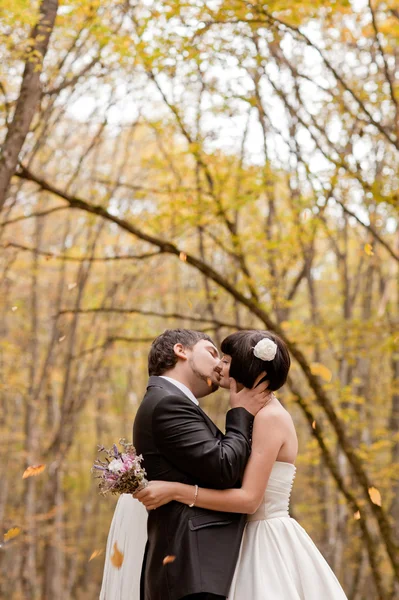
(203, 360)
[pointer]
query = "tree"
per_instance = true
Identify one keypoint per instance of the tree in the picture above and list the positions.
(286, 222)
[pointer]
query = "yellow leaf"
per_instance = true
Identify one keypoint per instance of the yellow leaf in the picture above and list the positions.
(12, 533)
(14, 308)
(368, 248)
(95, 553)
(321, 370)
(33, 470)
(375, 496)
(117, 557)
(168, 559)
(314, 425)
(183, 256)
(356, 515)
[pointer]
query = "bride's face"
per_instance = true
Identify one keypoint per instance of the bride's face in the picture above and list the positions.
(224, 370)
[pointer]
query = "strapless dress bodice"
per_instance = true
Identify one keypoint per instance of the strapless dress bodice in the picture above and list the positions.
(278, 560)
(276, 501)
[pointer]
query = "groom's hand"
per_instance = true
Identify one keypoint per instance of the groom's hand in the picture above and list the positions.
(251, 399)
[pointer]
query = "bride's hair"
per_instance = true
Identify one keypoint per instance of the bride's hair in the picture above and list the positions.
(245, 367)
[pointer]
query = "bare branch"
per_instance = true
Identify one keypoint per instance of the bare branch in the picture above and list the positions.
(386, 68)
(32, 215)
(124, 339)
(276, 22)
(371, 229)
(78, 259)
(74, 80)
(150, 313)
(141, 188)
(208, 176)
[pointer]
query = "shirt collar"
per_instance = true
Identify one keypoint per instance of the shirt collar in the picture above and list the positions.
(183, 388)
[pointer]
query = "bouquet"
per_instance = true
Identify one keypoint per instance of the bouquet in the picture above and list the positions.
(120, 472)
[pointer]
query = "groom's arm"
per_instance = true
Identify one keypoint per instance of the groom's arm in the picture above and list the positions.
(183, 436)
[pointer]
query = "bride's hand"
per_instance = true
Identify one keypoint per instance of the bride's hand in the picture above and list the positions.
(156, 494)
(251, 399)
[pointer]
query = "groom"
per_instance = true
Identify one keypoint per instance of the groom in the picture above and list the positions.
(191, 552)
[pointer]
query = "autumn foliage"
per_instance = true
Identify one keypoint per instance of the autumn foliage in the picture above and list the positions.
(215, 165)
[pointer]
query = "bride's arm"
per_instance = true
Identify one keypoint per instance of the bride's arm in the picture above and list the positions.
(267, 440)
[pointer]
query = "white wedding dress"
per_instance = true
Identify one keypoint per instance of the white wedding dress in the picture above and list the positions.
(277, 560)
(128, 531)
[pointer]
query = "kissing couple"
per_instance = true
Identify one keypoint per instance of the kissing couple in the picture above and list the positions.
(218, 522)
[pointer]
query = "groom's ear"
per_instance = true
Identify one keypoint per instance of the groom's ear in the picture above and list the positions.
(180, 351)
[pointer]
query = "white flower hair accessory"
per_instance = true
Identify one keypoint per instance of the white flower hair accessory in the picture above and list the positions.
(265, 349)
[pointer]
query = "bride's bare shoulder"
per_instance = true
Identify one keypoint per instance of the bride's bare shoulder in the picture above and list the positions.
(275, 413)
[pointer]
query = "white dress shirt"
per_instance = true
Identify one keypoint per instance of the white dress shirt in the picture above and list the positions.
(183, 388)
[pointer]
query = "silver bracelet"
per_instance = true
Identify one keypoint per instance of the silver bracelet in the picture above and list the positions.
(195, 497)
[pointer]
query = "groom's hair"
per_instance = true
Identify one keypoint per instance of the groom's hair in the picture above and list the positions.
(162, 357)
(245, 367)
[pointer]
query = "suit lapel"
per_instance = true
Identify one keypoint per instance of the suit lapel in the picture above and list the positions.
(155, 381)
(215, 430)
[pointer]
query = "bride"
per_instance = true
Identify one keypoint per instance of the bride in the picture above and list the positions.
(277, 560)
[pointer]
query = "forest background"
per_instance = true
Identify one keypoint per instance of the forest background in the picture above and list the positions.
(213, 164)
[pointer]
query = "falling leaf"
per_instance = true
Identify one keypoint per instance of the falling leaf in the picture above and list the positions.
(117, 557)
(72, 285)
(183, 256)
(12, 533)
(168, 559)
(368, 248)
(33, 470)
(95, 553)
(62, 338)
(375, 496)
(321, 370)
(356, 516)
(14, 308)
(314, 425)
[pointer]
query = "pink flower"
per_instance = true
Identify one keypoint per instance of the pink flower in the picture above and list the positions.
(128, 463)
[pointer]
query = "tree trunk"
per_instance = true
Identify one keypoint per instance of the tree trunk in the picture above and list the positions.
(29, 574)
(29, 95)
(394, 418)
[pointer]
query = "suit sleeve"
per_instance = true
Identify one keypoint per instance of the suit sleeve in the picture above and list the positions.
(183, 436)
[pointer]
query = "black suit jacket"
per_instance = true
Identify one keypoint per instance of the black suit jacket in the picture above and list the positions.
(179, 442)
